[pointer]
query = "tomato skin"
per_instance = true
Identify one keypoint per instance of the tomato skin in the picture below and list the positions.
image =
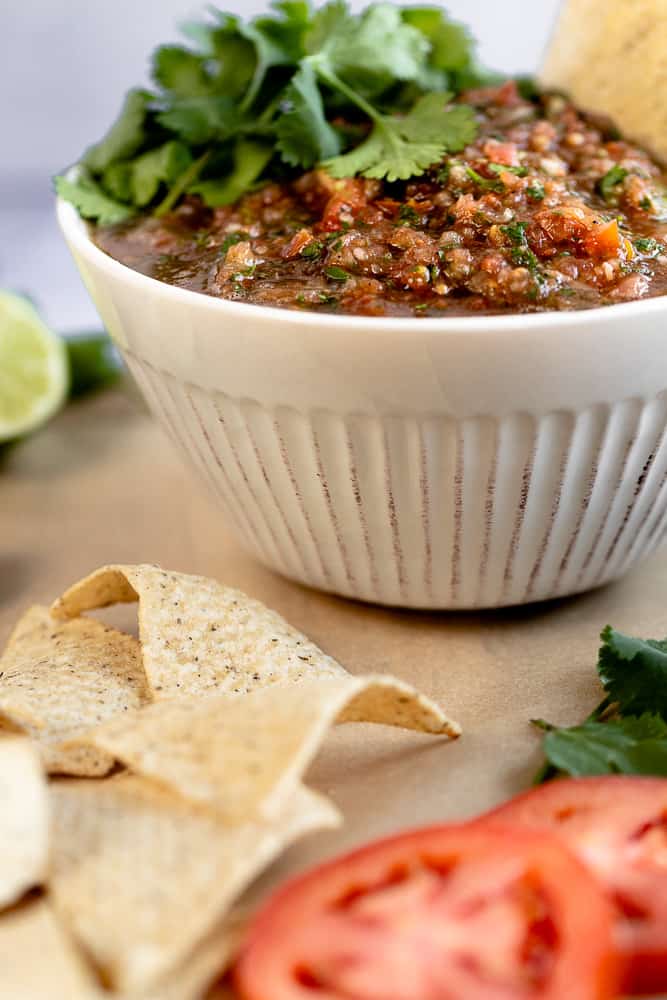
(607, 821)
(332, 923)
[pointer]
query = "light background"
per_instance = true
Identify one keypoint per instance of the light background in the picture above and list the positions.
(64, 67)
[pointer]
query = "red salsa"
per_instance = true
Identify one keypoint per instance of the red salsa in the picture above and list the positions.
(547, 210)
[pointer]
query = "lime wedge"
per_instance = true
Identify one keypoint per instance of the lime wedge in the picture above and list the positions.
(33, 368)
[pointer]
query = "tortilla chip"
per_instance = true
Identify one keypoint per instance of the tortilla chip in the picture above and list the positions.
(197, 635)
(244, 756)
(57, 679)
(24, 819)
(140, 876)
(207, 963)
(38, 960)
(612, 58)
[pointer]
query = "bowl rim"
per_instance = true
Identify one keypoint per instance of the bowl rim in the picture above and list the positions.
(75, 229)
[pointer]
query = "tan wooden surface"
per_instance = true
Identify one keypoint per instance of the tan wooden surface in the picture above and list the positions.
(102, 484)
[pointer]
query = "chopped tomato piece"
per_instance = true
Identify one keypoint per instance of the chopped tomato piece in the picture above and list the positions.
(344, 205)
(603, 239)
(618, 826)
(300, 240)
(444, 913)
(506, 153)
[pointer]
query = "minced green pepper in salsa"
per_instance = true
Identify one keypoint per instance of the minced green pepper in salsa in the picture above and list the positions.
(546, 210)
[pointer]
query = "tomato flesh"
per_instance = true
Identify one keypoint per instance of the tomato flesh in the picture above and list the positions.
(618, 826)
(446, 913)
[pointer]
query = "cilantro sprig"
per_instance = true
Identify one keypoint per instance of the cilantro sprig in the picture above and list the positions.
(243, 101)
(627, 732)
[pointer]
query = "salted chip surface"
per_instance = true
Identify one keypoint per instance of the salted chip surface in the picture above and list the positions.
(244, 756)
(612, 58)
(38, 961)
(140, 876)
(203, 967)
(24, 819)
(57, 679)
(198, 635)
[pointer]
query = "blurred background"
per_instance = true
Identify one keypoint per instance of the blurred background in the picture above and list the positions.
(64, 68)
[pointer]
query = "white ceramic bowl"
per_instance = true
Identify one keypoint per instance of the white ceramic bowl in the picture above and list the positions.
(431, 463)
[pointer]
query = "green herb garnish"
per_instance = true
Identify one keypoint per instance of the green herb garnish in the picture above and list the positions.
(521, 253)
(487, 183)
(650, 247)
(536, 192)
(500, 168)
(366, 93)
(407, 216)
(627, 732)
(312, 249)
(515, 232)
(607, 185)
(232, 239)
(336, 273)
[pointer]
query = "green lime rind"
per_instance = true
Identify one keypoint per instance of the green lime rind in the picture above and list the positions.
(34, 369)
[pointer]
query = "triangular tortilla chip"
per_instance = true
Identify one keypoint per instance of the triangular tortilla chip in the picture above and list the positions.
(37, 959)
(612, 58)
(24, 819)
(206, 964)
(58, 679)
(244, 755)
(140, 876)
(197, 635)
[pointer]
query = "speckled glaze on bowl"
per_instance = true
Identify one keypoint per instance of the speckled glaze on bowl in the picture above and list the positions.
(435, 463)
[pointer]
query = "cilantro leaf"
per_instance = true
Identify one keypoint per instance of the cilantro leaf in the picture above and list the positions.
(232, 57)
(162, 165)
(289, 30)
(125, 136)
(649, 247)
(607, 185)
(386, 154)
(431, 117)
(270, 50)
(304, 134)
(500, 168)
(486, 183)
(250, 159)
(364, 92)
(117, 180)
(451, 43)
(90, 200)
(367, 51)
(180, 71)
(399, 148)
(634, 672)
(198, 120)
(633, 745)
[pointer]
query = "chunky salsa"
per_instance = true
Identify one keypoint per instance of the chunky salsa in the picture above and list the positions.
(548, 209)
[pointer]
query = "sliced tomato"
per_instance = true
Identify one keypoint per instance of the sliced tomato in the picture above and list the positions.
(618, 826)
(444, 913)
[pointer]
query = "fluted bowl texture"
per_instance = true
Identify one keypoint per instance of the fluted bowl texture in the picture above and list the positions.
(427, 463)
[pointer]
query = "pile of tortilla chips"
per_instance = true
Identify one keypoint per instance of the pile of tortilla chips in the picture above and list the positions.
(184, 752)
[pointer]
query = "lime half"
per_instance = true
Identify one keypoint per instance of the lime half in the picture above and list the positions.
(34, 373)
